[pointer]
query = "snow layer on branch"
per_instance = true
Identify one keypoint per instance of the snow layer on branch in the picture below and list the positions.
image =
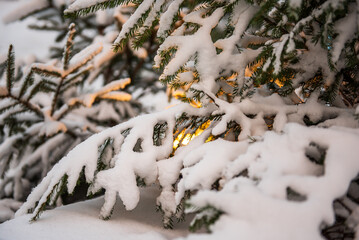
(200, 42)
(200, 45)
(202, 168)
(167, 18)
(278, 52)
(117, 95)
(25, 9)
(105, 92)
(346, 29)
(80, 4)
(250, 205)
(128, 163)
(152, 14)
(169, 171)
(50, 128)
(84, 56)
(130, 23)
(310, 61)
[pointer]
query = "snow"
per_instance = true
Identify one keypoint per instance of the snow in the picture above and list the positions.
(25, 9)
(17, 31)
(249, 203)
(106, 92)
(206, 157)
(154, 102)
(84, 56)
(129, 24)
(278, 53)
(80, 4)
(50, 128)
(8, 208)
(167, 17)
(199, 42)
(252, 203)
(256, 168)
(81, 221)
(346, 29)
(155, 9)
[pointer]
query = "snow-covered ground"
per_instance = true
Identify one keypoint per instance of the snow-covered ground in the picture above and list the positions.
(81, 221)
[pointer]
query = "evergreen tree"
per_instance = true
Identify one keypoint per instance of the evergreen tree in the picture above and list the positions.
(47, 109)
(133, 61)
(272, 141)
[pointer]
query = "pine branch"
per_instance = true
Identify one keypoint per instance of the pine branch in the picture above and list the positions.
(29, 80)
(74, 11)
(56, 96)
(45, 70)
(27, 105)
(73, 80)
(10, 69)
(69, 46)
(68, 110)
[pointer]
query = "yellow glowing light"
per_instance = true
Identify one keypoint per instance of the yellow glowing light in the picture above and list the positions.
(210, 138)
(279, 83)
(183, 139)
(196, 104)
(232, 77)
(248, 72)
(251, 69)
(187, 139)
(178, 94)
(178, 139)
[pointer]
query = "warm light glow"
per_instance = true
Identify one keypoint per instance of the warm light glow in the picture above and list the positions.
(178, 94)
(232, 77)
(183, 139)
(178, 139)
(196, 104)
(187, 139)
(280, 84)
(248, 72)
(251, 69)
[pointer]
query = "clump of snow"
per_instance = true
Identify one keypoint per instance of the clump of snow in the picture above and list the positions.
(129, 24)
(251, 204)
(80, 4)
(346, 29)
(167, 17)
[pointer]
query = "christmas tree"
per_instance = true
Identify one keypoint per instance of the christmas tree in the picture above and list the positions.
(46, 110)
(264, 145)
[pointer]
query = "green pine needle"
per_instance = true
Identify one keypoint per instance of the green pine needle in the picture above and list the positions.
(97, 6)
(10, 69)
